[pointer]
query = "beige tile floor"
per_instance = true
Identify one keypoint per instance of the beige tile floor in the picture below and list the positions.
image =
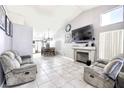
(57, 72)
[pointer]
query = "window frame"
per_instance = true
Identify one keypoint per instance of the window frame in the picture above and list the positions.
(110, 11)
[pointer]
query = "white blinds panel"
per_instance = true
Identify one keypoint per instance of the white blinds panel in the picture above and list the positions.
(111, 44)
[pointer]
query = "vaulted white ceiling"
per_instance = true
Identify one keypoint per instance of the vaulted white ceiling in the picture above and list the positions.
(42, 18)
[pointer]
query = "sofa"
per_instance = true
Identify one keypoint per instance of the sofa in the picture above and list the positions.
(17, 70)
(104, 73)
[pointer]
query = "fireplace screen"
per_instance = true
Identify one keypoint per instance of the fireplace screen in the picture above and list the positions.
(82, 57)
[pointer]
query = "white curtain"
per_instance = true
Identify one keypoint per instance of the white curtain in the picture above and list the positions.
(111, 44)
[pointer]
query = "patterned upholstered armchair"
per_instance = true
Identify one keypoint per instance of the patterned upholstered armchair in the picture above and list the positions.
(103, 74)
(16, 71)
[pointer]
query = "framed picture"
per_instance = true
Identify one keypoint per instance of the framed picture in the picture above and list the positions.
(11, 29)
(68, 38)
(2, 17)
(7, 28)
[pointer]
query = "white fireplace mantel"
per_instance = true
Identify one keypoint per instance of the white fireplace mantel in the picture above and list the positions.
(89, 50)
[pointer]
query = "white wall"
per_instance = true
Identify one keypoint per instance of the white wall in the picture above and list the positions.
(5, 41)
(22, 39)
(85, 18)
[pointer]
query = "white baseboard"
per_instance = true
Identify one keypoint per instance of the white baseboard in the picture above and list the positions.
(71, 59)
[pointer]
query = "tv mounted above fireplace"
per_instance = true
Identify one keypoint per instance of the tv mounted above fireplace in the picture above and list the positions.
(83, 34)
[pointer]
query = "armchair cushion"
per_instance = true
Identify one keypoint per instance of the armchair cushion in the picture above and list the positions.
(24, 68)
(6, 65)
(9, 54)
(15, 63)
(9, 64)
(17, 56)
(19, 59)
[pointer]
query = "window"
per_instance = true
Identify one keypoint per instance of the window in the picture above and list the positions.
(111, 44)
(113, 16)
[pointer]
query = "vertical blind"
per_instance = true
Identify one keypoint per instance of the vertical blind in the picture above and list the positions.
(111, 44)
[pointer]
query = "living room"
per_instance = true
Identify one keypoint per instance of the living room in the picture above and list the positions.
(73, 45)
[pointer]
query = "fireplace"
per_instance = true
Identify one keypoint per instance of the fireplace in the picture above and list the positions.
(82, 57)
(84, 54)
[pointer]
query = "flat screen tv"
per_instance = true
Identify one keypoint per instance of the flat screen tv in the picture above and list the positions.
(83, 34)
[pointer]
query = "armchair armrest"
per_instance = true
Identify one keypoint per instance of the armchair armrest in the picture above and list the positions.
(121, 75)
(25, 56)
(103, 61)
(25, 68)
(26, 59)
